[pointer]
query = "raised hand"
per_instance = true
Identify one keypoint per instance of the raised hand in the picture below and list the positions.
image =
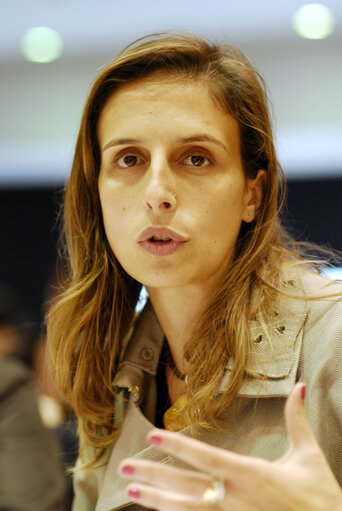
(299, 481)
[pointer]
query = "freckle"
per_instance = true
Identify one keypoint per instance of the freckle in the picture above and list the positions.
(123, 209)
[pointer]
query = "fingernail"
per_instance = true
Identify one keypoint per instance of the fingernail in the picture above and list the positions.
(133, 493)
(303, 392)
(155, 440)
(128, 470)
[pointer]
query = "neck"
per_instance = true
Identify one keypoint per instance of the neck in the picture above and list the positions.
(177, 311)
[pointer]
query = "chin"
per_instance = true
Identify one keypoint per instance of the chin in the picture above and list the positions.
(162, 283)
(167, 280)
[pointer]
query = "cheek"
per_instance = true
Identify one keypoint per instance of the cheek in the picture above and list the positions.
(114, 212)
(113, 198)
(222, 222)
(224, 208)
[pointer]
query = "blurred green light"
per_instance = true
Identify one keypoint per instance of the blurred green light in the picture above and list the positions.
(313, 21)
(41, 44)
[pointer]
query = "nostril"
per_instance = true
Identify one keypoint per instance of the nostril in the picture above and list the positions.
(167, 205)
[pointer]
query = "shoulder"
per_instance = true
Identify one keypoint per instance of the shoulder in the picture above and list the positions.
(324, 302)
(319, 286)
(320, 298)
(312, 283)
(298, 332)
(19, 412)
(320, 356)
(13, 374)
(320, 294)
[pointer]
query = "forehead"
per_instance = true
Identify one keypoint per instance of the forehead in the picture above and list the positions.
(156, 87)
(166, 102)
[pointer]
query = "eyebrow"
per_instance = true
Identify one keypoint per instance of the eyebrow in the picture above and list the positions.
(186, 140)
(202, 138)
(122, 141)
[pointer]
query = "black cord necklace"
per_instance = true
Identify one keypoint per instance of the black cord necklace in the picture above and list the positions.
(170, 362)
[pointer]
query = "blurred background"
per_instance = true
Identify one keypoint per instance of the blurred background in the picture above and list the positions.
(46, 73)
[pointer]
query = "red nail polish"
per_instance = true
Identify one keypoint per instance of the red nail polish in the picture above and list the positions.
(155, 440)
(303, 392)
(134, 494)
(128, 470)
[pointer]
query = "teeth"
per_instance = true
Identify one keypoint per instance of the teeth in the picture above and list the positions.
(156, 237)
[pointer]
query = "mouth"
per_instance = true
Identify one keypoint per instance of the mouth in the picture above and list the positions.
(160, 235)
(160, 241)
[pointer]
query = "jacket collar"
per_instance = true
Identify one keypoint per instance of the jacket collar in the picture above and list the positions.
(273, 360)
(143, 350)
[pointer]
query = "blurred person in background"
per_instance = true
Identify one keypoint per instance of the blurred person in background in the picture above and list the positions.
(56, 413)
(54, 409)
(31, 473)
(175, 186)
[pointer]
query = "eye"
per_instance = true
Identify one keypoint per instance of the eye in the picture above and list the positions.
(196, 160)
(128, 160)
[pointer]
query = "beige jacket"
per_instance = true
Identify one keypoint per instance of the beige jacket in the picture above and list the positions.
(306, 346)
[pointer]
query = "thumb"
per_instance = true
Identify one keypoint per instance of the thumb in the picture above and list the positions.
(297, 425)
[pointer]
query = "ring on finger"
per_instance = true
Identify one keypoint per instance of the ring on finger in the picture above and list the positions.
(215, 492)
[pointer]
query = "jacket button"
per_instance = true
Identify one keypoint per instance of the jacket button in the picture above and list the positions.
(147, 354)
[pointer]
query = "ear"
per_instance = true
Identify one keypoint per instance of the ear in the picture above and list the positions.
(254, 196)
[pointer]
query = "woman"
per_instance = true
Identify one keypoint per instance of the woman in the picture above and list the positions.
(175, 186)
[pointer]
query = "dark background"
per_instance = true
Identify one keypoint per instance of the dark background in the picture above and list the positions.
(29, 232)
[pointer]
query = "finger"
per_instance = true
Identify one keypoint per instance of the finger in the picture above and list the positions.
(210, 459)
(154, 498)
(185, 482)
(297, 425)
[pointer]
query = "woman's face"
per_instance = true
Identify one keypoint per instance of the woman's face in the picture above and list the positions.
(172, 187)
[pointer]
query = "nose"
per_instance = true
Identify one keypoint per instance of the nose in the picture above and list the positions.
(160, 190)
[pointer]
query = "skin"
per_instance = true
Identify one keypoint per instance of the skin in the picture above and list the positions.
(198, 188)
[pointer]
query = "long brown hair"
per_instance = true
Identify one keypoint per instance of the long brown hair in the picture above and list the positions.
(92, 315)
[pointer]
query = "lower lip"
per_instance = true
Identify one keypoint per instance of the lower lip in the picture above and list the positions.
(162, 248)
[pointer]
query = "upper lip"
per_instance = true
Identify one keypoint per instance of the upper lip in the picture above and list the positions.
(148, 233)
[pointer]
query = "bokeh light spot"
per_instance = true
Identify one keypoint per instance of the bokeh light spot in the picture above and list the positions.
(313, 21)
(41, 44)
